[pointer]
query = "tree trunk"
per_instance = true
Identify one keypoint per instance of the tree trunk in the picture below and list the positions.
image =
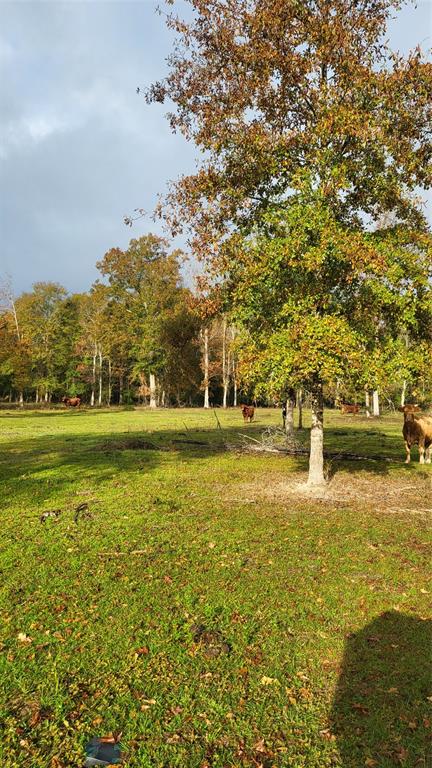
(337, 394)
(300, 408)
(225, 365)
(367, 403)
(37, 396)
(375, 403)
(120, 389)
(316, 458)
(234, 382)
(206, 368)
(46, 396)
(109, 382)
(21, 399)
(92, 398)
(289, 418)
(100, 378)
(152, 390)
(403, 393)
(225, 395)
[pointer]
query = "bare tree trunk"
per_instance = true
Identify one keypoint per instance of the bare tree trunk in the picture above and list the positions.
(152, 390)
(403, 393)
(300, 408)
(206, 368)
(109, 382)
(234, 382)
(337, 394)
(316, 458)
(375, 403)
(120, 389)
(46, 396)
(37, 396)
(367, 403)
(92, 398)
(225, 365)
(100, 377)
(289, 418)
(21, 398)
(163, 399)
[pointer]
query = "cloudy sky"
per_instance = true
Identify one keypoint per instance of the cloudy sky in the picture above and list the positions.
(78, 147)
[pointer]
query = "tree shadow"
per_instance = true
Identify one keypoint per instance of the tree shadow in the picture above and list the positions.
(81, 453)
(380, 709)
(44, 465)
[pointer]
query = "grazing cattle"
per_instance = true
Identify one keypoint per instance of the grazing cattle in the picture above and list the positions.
(248, 412)
(74, 402)
(417, 430)
(347, 408)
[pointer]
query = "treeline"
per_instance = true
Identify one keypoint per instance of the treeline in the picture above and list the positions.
(138, 336)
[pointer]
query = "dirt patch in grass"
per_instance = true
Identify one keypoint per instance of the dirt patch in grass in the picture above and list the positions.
(131, 444)
(389, 494)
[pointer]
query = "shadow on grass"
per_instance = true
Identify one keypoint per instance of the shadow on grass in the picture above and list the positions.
(44, 465)
(380, 709)
(102, 454)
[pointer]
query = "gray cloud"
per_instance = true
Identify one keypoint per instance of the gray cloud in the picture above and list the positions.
(78, 147)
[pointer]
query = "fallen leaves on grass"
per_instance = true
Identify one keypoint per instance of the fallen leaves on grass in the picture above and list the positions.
(361, 708)
(146, 704)
(327, 734)
(269, 680)
(143, 651)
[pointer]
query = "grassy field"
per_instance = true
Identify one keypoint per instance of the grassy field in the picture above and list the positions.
(201, 603)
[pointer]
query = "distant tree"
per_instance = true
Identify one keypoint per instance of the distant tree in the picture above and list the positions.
(311, 131)
(39, 318)
(15, 360)
(93, 340)
(179, 334)
(144, 284)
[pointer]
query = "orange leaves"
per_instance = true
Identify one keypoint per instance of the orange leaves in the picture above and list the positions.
(143, 651)
(23, 638)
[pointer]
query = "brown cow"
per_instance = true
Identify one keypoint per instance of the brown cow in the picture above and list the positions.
(248, 412)
(417, 430)
(347, 408)
(74, 402)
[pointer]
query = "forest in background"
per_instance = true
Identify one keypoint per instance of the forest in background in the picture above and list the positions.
(140, 336)
(137, 336)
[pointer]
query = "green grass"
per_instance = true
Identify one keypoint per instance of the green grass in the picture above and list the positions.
(212, 623)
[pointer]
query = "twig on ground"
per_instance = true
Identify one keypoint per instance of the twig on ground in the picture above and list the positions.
(81, 508)
(217, 420)
(50, 513)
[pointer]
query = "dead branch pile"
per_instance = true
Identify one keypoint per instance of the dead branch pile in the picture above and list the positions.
(275, 440)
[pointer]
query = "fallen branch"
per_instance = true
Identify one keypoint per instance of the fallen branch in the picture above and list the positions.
(81, 508)
(123, 554)
(297, 450)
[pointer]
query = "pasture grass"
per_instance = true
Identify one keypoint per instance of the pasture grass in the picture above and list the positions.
(203, 606)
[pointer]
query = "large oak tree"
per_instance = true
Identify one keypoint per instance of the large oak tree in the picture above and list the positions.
(313, 133)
